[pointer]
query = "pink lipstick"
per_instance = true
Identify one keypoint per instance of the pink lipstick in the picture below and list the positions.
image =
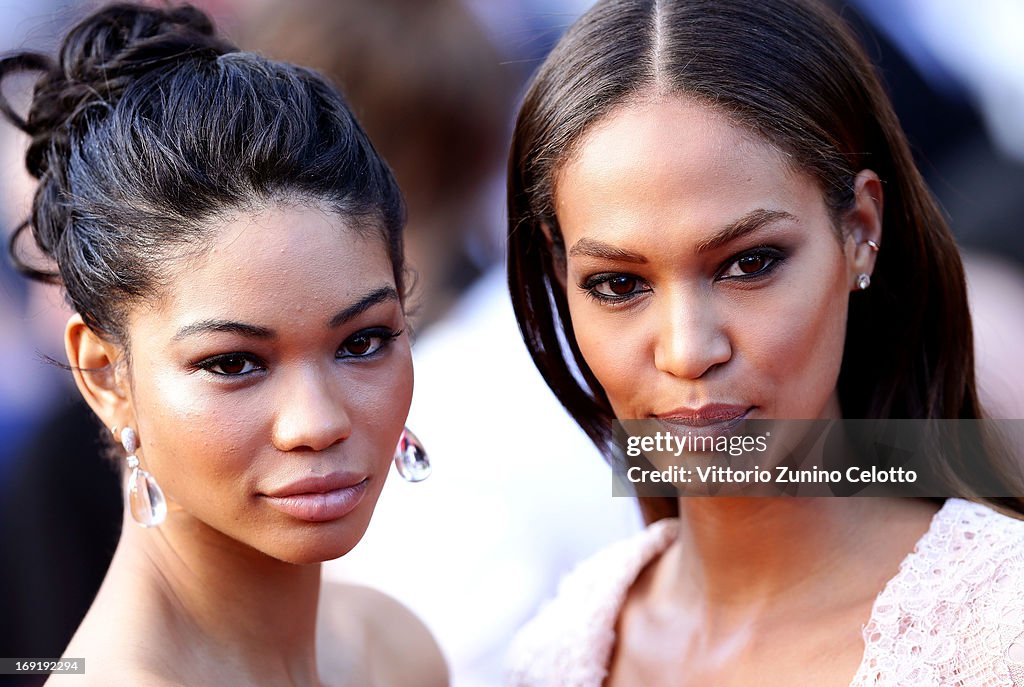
(320, 498)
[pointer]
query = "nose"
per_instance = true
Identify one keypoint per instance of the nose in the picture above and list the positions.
(311, 414)
(691, 339)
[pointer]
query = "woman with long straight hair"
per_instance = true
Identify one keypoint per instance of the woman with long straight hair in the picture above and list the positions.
(715, 218)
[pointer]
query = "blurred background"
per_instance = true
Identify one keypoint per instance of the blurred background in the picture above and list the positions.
(518, 495)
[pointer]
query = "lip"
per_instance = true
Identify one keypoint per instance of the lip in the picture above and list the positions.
(714, 418)
(319, 498)
(703, 416)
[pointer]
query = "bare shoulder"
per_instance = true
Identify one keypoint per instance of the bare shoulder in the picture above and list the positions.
(397, 645)
(132, 661)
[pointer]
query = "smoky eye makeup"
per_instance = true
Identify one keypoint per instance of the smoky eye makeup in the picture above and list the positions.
(367, 343)
(613, 287)
(748, 266)
(235, 364)
(752, 264)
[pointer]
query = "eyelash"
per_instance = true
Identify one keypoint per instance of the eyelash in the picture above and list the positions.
(773, 255)
(383, 335)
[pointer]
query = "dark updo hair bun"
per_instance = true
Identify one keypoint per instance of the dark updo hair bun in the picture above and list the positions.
(98, 59)
(149, 124)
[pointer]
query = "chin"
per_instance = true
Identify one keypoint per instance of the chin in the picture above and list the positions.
(312, 556)
(322, 543)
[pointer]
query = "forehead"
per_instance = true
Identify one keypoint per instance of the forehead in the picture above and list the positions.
(673, 157)
(274, 260)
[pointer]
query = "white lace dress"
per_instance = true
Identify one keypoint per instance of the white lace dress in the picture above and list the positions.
(948, 617)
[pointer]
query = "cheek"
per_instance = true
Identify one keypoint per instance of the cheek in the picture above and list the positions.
(614, 347)
(382, 399)
(199, 441)
(185, 422)
(797, 343)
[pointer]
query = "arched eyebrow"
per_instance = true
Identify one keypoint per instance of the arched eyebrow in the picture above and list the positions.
(375, 297)
(592, 248)
(750, 222)
(211, 326)
(379, 295)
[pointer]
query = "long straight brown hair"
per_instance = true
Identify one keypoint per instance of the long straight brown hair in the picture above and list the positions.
(792, 73)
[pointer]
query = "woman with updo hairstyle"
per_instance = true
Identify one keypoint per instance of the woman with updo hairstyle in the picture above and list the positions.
(715, 218)
(231, 245)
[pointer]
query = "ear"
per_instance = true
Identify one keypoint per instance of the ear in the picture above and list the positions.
(96, 365)
(556, 248)
(863, 223)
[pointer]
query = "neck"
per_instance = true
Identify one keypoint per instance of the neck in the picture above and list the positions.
(216, 600)
(750, 558)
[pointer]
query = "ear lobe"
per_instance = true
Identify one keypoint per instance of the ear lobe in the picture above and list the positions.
(863, 224)
(94, 363)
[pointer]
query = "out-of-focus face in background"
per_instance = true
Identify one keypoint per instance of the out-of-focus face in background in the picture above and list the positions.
(435, 97)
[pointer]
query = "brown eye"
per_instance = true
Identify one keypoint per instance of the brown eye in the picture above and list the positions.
(230, 365)
(749, 264)
(754, 264)
(359, 345)
(622, 286)
(617, 288)
(367, 342)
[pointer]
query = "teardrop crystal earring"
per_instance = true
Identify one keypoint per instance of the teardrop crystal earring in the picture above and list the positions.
(143, 496)
(863, 281)
(411, 458)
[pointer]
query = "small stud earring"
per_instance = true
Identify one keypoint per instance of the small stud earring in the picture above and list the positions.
(863, 281)
(872, 245)
(143, 496)
(411, 458)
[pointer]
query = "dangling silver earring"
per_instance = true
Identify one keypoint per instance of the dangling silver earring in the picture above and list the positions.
(143, 497)
(863, 281)
(411, 458)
